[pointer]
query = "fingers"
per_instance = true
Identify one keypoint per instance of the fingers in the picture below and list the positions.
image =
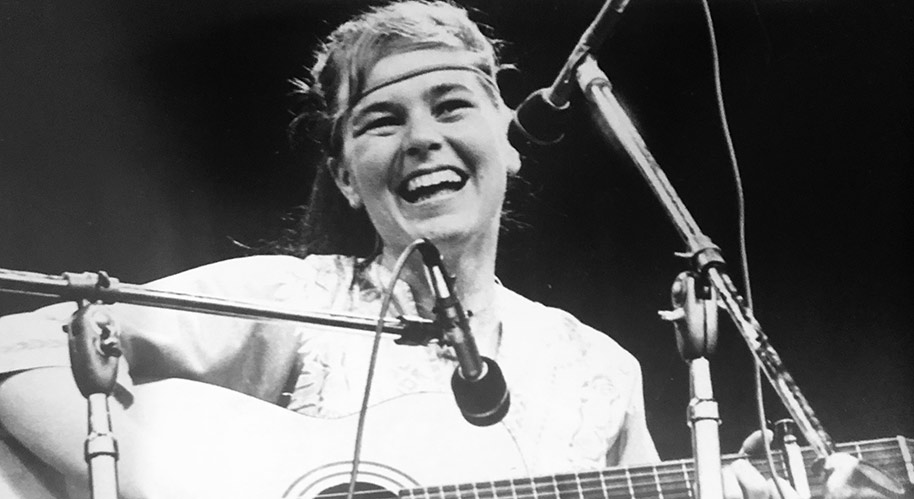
(782, 489)
(754, 445)
(839, 469)
(743, 481)
(732, 488)
(749, 483)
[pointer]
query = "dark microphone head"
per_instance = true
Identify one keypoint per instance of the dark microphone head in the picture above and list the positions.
(538, 121)
(485, 401)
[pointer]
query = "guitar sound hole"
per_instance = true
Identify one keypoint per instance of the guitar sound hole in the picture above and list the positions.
(362, 491)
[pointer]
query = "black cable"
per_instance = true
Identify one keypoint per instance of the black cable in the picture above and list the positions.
(743, 252)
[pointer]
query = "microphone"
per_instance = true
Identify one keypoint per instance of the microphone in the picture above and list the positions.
(478, 383)
(539, 118)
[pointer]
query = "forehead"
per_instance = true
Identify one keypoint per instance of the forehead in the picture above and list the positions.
(418, 70)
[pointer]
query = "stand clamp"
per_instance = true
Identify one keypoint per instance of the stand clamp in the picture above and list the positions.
(694, 317)
(94, 353)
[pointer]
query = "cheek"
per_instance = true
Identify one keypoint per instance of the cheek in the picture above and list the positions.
(485, 146)
(369, 162)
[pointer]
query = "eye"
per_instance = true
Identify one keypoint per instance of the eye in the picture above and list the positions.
(378, 124)
(453, 108)
(381, 123)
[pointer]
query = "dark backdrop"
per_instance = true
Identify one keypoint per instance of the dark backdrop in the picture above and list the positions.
(142, 138)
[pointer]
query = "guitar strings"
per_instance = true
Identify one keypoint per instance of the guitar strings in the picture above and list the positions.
(553, 489)
(661, 480)
(573, 485)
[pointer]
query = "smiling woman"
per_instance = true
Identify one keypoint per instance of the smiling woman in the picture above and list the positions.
(421, 40)
(427, 155)
(414, 133)
(415, 138)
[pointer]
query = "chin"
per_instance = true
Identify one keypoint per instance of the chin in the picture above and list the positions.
(455, 229)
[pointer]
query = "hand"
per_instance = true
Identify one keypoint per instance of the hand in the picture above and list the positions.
(743, 481)
(846, 477)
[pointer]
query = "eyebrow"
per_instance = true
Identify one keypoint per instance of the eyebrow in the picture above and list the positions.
(444, 88)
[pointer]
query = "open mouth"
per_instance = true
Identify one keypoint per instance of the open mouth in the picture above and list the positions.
(432, 183)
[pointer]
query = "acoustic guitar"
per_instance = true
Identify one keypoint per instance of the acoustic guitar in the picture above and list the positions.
(201, 441)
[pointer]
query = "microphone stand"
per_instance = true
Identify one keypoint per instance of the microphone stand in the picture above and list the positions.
(94, 348)
(708, 265)
(407, 330)
(706, 259)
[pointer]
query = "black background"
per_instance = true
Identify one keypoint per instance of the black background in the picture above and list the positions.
(143, 137)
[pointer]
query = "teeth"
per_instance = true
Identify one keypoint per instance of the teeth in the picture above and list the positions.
(436, 177)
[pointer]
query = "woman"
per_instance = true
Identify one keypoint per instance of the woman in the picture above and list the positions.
(415, 138)
(415, 135)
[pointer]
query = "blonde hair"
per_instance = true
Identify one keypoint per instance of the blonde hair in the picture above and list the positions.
(350, 52)
(337, 78)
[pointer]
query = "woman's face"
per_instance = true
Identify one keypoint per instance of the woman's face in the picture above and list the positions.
(427, 156)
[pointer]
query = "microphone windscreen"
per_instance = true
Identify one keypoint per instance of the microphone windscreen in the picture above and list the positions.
(537, 121)
(485, 401)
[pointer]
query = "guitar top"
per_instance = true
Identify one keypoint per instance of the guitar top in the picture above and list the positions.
(203, 441)
(209, 442)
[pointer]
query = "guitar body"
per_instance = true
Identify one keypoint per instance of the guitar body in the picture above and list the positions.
(201, 441)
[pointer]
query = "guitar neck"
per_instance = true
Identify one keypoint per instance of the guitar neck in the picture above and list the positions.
(891, 455)
(667, 480)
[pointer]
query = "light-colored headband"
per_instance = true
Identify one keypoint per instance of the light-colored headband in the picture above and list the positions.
(417, 72)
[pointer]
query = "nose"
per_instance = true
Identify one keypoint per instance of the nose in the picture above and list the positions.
(423, 134)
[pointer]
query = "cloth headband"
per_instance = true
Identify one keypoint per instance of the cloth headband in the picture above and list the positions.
(417, 72)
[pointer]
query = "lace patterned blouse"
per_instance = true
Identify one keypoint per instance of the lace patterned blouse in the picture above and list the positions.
(576, 395)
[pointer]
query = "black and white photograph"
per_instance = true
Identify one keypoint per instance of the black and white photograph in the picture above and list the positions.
(458, 249)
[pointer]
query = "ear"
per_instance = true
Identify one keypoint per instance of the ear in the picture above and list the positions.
(345, 182)
(512, 159)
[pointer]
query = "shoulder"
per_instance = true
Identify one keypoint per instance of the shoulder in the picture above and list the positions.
(566, 333)
(272, 267)
(594, 384)
(267, 277)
